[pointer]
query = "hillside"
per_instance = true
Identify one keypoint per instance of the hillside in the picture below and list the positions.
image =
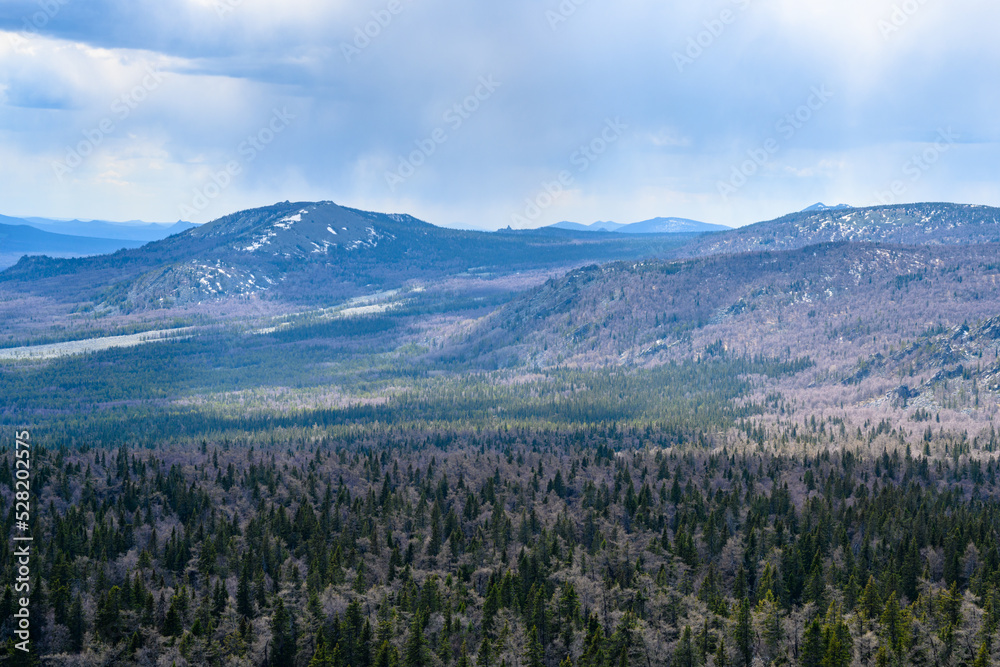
(902, 224)
(292, 286)
(314, 253)
(833, 303)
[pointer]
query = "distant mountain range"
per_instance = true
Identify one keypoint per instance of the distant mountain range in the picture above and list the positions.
(876, 297)
(310, 252)
(75, 238)
(133, 230)
(319, 252)
(652, 226)
(18, 239)
(599, 226)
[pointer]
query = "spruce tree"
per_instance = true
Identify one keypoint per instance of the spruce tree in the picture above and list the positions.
(743, 633)
(684, 654)
(534, 654)
(282, 647)
(813, 649)
(77, 624)
(415, 652)
(244, 597)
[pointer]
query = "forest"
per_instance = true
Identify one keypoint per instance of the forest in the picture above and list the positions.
(784, 458)
(592, 544)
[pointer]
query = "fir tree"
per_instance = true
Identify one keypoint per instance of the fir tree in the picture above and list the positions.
(282, 647)
(534, 654)
(743, 633)
(684, 654)
(813, 649)
(415, 654)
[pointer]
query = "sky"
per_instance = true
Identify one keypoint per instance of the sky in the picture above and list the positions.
(487, 115)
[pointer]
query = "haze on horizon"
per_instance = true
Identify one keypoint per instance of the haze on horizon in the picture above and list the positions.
(525, 114)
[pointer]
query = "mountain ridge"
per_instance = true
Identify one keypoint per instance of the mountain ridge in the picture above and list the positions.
(660, 225)
(312, 251)
(900, 224)
(132, 230)
(18, 239)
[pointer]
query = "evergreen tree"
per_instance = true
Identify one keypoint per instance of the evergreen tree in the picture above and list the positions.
(321, 657)
(244, 597)
(386, 656)
(815, 584)
(534, 654)
(76, 624)
(910, 571)
(484, 658)
(569, 609)
(721, 659)
(743, 633)
(107, 620)
(813, 649)
(894, 625)
(684, 654)
(837, 642)
(593, 647)
(220, 598)
(415, 654)
(773, 632)
(871, 602)
(173, 624)
(282, 647)
(983, 655)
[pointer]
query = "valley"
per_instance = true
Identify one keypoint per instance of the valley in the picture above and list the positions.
(307, 434)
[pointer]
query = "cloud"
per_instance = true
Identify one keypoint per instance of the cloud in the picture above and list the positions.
(369, 81)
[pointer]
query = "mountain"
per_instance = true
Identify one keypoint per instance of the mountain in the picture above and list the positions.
(903, 224)
(133, 230)
(670, 226)
(18, 239)
(599, 226)
(307, 252)
(835, 303)
(820, 206)
(652, 226)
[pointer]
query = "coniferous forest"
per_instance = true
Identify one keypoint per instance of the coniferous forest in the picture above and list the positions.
(590, 545)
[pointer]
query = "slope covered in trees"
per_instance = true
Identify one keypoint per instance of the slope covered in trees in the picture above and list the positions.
(897, 224)
(596, 546)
